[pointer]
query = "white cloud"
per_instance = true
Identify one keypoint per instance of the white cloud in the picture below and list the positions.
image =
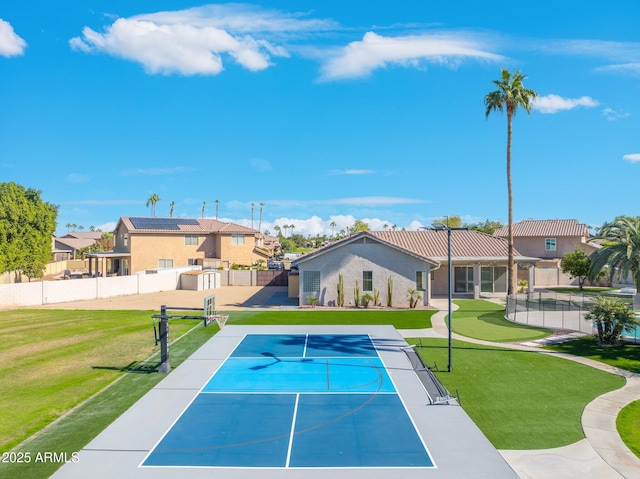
(351, 171)
(260, 165)
(77, 178)
(316, 225)
(554, 103)
(361, 58)
(156, 171)
(632, 69)
(194, 41)
(10, 44)
(353, 201)
(633, 158)
(107, 227)
(104, 202)
(612, 115)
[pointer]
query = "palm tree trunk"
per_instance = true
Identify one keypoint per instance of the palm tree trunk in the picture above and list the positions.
(512, 265)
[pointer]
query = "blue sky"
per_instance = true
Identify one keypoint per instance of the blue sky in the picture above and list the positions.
(323, 111)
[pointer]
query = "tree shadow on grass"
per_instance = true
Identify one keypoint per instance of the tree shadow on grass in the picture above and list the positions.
(625, 356)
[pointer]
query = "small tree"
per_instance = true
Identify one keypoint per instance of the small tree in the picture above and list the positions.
(414, 297)
(611, 316)
(577, 264)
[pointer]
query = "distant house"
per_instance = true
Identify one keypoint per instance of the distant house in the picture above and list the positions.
(413, 260)
(548, 240)
(67, 247)
(143, 243)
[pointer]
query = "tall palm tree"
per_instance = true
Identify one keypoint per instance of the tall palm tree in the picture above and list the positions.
(152, 200)
(510, 95)
(68, 225)
(260, 221)
(333, 226)
(172, 205)
(204, 205)
(620, 251)
(252, 206)
(217, 202)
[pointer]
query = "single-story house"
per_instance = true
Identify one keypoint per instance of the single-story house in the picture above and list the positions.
(410, 260)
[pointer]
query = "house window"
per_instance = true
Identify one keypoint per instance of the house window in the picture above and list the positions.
(311, 281)
(126, 240)
(421, 280)
(191, 240)
(493, 279)
(550, 244)
(165, 263)
(463, 279)
(367, 281)
(192, 262)
(237, 240)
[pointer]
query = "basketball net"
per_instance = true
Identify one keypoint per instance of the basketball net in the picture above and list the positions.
(221, 319)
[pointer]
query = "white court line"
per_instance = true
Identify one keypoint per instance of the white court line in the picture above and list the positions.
(293, 430)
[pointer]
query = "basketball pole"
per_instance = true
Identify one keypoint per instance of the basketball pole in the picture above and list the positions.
(165, 367)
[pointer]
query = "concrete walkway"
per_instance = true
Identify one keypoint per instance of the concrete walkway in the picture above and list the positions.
(601, 455)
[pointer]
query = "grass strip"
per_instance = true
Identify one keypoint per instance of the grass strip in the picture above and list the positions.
(484, 320)
(628, 425)
(401, 319)
(520, 399)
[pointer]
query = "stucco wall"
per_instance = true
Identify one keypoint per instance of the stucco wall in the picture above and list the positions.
(240, 255)
(354, 258)
(147, 249)
(62, 291)
(534, 247)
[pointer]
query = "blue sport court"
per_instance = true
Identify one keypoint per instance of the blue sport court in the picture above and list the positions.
(296, 400)
(293, 402)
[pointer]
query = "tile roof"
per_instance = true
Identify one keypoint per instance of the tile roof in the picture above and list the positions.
(547, 228)
(187, 225)
(433, 246)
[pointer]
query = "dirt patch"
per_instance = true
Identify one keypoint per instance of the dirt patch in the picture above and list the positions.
(227, 298)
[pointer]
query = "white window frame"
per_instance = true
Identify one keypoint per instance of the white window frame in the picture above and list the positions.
(550, 244)
(191, 240)
(421, 280)
(165, 263)
(237, 239)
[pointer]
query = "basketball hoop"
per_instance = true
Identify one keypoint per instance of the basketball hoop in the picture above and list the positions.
(220, 319)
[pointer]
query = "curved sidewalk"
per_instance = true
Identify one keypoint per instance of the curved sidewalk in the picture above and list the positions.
(601, 455)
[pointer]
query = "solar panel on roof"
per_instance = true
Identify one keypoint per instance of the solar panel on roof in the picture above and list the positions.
(172, 224)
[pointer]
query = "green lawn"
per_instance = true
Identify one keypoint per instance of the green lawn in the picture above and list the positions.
(626, 356)
(52, 360)
(520, 400)
(72, 432)
(628, 424)
(484, 320)
(587, 291)
(401, 319)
